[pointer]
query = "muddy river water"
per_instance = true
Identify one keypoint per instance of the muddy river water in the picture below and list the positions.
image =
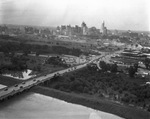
(37, 106)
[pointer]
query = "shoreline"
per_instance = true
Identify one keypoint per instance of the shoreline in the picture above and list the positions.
(97, 104)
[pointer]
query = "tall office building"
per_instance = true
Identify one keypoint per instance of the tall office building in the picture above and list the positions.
(103, 29)
(68, 30)
(84, 28)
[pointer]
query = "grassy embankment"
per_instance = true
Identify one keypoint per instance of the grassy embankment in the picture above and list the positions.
(8, 81)
(98, 104)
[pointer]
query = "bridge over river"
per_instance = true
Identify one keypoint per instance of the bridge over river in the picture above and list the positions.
(6, 93)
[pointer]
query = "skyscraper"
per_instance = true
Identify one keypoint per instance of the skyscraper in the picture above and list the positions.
(84, 28)
(68, 30)
(103, 26)
(103, 29)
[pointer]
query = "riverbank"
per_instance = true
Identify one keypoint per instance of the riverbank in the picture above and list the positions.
(98, 104)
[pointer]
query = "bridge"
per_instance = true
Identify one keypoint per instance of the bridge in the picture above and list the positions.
(6, 93)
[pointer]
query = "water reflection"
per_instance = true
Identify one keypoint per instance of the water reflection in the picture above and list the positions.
(36, 106)
(20, 75)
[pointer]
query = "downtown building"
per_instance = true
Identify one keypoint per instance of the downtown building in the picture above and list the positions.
(103, 29)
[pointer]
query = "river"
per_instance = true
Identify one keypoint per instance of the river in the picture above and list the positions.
(37, 106)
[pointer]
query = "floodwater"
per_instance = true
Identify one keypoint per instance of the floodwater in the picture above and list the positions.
(20, 75)
(37, 106)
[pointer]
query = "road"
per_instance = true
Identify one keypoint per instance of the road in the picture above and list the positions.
(10, 91)
(106, 57)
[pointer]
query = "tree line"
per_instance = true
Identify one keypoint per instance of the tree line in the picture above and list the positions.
(92, 81)
(8, 47)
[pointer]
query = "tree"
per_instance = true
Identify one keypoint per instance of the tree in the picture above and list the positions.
(6, 51)
(1, 69)
(18, 63)
(113, 68)
(103, 65)
(131, 71)
(85, 90)
(136, 65)
(56, 61)
(147, 63)
(37, 53)
(26, 52)
(12, 54)
(148, 108)
(92, 67)
(38, 68)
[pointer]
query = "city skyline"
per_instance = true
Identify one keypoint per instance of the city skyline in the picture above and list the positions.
(121, 14)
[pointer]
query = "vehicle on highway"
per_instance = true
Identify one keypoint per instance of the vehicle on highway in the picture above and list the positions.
(57, 74)
(65, 71)
(38, 81)
(34, 79)
(6, 89)
(16, 85)
(13, 90)
(21, 86)
(23, 82)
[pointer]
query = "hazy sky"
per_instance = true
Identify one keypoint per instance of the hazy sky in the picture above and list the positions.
(117, 14)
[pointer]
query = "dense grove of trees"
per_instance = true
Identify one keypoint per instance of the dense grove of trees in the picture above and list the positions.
(18, 63)
(113, 68)
(56, 61)
(147, 63)
(7, 47)
(108, 67)
(98, 82)
(133, 69)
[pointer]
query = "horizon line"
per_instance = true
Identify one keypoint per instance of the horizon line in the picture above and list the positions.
(71, 25)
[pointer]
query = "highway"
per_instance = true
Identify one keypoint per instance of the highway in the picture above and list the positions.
(107, 56)
(10, 91)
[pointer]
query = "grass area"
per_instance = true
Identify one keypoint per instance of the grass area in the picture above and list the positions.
(98, 104)
(8, 81)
